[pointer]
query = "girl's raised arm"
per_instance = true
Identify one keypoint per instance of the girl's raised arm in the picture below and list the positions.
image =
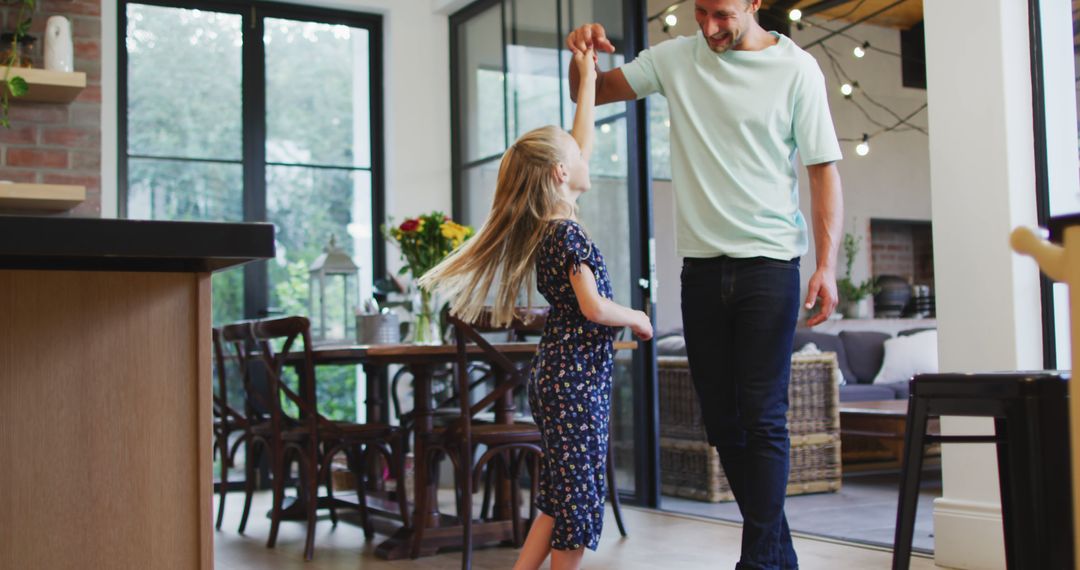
(586, 102)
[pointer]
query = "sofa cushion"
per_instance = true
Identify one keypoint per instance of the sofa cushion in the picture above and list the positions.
(826, 343)
(901, 390)
(909, 332)
(866, 392)
(906, 356)
(671, 345)
(865, 352)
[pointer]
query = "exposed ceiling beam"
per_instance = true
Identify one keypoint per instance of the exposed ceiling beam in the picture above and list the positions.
(853, 24)
(822, 6)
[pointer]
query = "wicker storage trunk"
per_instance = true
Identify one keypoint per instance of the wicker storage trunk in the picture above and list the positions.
(690, 467)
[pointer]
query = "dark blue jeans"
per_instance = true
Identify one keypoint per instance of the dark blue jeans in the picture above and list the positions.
(739, 319)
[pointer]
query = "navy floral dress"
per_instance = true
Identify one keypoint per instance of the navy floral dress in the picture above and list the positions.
(570, 391)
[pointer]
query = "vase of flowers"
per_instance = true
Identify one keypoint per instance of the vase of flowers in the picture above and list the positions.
(424, 241)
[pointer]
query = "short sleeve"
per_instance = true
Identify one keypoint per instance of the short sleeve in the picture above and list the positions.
(575, 248)
(641, 75)
(815, 136)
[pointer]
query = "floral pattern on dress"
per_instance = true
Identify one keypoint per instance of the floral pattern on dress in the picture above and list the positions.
(570, 391)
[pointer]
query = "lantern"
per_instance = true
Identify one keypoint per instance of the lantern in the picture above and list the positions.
(333, 293)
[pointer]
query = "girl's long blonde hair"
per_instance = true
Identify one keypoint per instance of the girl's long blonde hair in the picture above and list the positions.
(527, 198)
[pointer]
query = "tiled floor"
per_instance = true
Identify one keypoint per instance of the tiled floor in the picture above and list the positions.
(657, 541)
(864, 510)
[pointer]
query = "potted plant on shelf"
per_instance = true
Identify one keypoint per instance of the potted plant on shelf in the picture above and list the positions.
(15, 85)
(854, 297)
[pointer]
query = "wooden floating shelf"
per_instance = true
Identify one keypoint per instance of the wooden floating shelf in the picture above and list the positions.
(49, 86)
(55, 197)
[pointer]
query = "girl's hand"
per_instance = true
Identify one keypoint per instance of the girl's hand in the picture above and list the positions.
(642, 326)
(586, 64)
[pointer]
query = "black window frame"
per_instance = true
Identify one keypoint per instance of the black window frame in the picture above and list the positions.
(253, 13)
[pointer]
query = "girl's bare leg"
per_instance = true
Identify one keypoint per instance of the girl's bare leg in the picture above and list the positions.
(537, 544)
(566, 559)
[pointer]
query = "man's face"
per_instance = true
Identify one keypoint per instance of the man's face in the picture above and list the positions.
(724, 22)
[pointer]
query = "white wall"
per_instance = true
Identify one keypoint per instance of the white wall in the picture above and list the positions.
(892, 182)
(416, 74)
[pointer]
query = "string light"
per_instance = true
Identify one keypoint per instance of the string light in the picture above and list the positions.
(605, 128)
(863, 148)
(795, 15)
(847, 89)
(860, 51)
(671, 20)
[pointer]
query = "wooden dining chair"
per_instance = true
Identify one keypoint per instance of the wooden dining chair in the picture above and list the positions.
(518, 444)
(311, 439)
(228, 421)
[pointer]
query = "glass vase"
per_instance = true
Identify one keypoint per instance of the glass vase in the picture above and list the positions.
(427, 330)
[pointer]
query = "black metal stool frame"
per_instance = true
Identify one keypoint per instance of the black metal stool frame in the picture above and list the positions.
(1030, 412)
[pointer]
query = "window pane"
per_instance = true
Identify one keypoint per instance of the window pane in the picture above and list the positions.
(317, 94)
(660, 137)
(533, 71)
(480, 84)
(182, 190)
(478, 192)
(307, 206)
(184, 95)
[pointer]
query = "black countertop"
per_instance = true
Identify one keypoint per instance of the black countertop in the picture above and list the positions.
(93, 244)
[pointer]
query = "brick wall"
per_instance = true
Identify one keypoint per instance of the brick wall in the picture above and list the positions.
(902, 248)
(59, 143)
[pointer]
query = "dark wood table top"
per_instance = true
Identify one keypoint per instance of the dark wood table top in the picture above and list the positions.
(406, 353)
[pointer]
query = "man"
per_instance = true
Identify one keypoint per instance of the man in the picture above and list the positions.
(742, 101)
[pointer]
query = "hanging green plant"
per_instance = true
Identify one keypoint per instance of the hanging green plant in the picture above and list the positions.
(15, 85)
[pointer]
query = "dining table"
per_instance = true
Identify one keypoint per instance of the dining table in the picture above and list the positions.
(441, 530)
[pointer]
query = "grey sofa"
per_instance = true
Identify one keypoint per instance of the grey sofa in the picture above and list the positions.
(859, 354)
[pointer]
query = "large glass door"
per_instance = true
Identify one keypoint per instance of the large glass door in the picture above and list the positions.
(509, 76)
(236, 110)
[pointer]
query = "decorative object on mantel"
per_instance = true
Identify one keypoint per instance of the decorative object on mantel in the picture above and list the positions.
(854, 298)
(59, 52)
(15, 85)
(892, 296)
(424, 242)
(333, 295)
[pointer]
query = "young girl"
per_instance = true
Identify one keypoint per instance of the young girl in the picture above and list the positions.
(532, 233)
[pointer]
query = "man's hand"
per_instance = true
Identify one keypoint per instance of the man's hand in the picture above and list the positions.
(589, 36)
(822, 286)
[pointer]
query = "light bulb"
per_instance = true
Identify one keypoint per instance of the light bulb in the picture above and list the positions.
(671, 19)
(859, 51)
(847, 89)
(863, 148)
(614, 158)
(605, 128)
(795, 15)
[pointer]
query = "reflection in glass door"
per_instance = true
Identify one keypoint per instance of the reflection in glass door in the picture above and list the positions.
(510, 76)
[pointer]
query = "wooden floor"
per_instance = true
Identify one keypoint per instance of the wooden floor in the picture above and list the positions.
(657, 541)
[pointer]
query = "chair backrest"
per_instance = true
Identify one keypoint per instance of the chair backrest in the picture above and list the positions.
(528, 321)
(222, 408)
(508, 377)
(288, 330)
(237, 344)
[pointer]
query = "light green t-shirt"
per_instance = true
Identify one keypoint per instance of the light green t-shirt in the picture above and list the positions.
(737, 119)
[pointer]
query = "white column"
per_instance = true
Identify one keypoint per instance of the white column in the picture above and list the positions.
(982, 186)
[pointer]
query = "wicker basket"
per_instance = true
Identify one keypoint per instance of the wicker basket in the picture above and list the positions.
(691, 468)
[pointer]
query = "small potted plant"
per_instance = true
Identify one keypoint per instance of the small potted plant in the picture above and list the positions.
(854, 297)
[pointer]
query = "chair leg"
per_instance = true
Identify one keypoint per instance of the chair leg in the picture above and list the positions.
(914, 439)
(223, 488)
(613, 490)
(485, 507)
(251, 463)
(398, 453)
(327, 472)
(310, 484)
(515, 498)
(359, 469)
(465, 511)
(278, 470)
(534, 462)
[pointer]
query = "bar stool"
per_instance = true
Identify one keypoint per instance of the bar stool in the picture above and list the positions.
(1030, 411)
